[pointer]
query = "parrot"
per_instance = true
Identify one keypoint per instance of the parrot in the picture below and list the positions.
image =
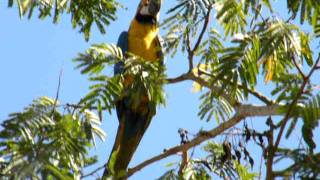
(143, 40)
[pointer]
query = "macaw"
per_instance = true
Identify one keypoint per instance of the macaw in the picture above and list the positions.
(142, 40)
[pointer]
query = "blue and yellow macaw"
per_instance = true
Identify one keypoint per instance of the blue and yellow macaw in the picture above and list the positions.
(143, 41)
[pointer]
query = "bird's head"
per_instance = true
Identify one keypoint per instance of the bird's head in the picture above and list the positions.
(148, 11)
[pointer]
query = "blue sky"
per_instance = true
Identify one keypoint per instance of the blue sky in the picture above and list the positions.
(33, 52)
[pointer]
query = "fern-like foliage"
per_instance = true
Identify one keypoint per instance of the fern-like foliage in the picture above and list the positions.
(219, 161)
(139, 79)
(309, 11)
(183, 23)
(307, 109)
(43, 143)
(275, 46)
(231, 16)
(304, 166)
(214, 106)
(83, 13)
(311, 118)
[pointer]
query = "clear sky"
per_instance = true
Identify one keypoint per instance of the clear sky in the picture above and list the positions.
(34, 51)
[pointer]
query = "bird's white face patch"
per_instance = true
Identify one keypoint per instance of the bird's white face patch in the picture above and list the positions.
(144, 10)
(149, 8)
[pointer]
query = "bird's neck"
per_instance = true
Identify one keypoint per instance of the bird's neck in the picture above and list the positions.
(146, 19)
(143, 30)
(141, 38)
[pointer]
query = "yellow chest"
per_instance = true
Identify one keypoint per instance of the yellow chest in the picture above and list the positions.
(142, 40)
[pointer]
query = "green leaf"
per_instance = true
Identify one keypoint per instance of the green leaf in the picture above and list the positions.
(311, 117)
(83, 13)
(54, 144)
(56, 172)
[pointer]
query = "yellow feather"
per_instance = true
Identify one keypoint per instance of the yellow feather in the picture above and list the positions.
(142, 40)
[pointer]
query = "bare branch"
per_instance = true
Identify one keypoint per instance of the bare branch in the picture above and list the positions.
(204, 83)
(184, 162)
(180, 78)
(287, 116)
(196, 141)
(204, 28)
(258, 95)
(190, 52)
(294, 59)
(94, 171)
(242, 112)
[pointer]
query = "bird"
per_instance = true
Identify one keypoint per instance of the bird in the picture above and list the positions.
(142, 40)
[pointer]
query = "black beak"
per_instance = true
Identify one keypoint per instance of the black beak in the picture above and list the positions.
(154, 7)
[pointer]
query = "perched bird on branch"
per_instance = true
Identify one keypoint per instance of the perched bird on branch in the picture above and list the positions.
(141, 40)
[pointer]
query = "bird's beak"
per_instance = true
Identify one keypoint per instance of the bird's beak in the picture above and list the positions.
(150, 7)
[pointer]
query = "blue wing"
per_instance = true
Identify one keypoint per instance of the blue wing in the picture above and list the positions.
(123, 44)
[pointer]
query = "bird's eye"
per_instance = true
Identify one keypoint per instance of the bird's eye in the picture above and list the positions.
(146, 2)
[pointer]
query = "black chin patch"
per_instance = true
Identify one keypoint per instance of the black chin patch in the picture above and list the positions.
(146, 19)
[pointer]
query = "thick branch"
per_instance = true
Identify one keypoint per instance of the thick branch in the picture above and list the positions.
(196, 141)
(204, 83)
(180, 78)
(243, 111)
(184, 162)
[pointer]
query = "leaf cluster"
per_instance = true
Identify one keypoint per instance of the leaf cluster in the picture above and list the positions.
(309, 111)
(83, 13)
(43, 143)
(219, 161)
(304, 166)
(140, 80)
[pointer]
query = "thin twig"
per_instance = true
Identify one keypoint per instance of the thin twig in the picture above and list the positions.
(191, 76)
(298, 67)
(285, 120)
(260, 167)
(93, 172)
(57, 93)
(287, 116)
(190, 52)
(258, 95)
(204, 28)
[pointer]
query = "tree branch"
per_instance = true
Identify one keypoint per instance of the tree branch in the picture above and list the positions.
(288, 114)
(196, 141)
(184, 162)
(94, 171)
(258, 95)
(197, 44)
(190, 52)
(204, 83)
(285, 120)
(204, 28)
(183, 77)
(294, 59)
(57, 93)
(242, 112)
